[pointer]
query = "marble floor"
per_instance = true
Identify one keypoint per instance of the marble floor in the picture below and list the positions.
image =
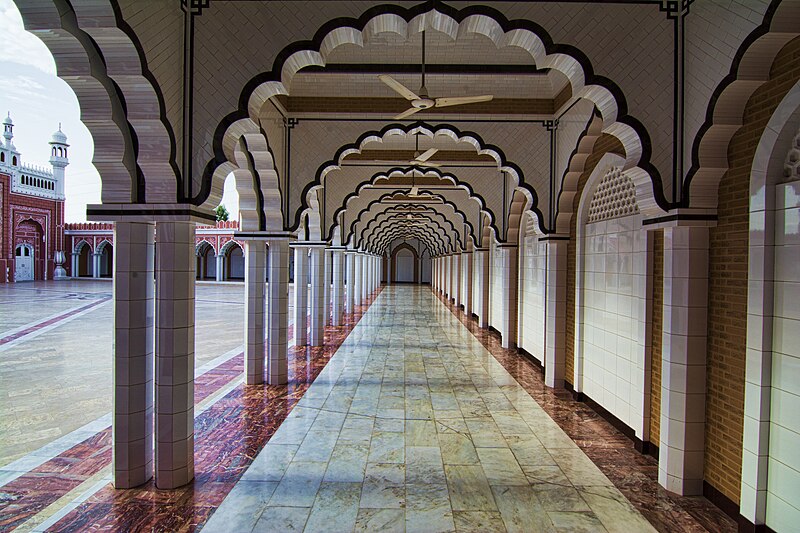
(414, 426)
(64, 329)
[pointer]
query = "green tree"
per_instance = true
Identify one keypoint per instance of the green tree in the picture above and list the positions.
(222, 213)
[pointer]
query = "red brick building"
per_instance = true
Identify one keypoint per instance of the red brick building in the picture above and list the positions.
(32, 207)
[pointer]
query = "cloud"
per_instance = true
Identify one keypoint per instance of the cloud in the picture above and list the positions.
(19, 46)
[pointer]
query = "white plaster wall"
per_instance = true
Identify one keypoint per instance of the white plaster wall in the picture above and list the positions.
(533, 268)
(783, 480)
(614, 318)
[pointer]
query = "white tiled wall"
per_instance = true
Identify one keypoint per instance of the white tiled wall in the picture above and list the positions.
(533, 267)
(614, 317)
(783, 481)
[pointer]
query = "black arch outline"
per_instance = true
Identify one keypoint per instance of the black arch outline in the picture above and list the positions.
(393, 216)
(590, 78)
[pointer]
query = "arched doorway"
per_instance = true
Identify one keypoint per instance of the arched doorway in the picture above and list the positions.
(29, 233)
(405, 264)
(106, 260)
(234, 263)
(23, 263)
(85, 264)
(206, 261)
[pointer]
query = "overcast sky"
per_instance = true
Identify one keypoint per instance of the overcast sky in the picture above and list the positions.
(38, 100)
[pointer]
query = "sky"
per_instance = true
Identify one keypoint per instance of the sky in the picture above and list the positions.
(38, 101)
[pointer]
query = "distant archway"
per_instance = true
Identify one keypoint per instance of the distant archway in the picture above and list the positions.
(405, 264)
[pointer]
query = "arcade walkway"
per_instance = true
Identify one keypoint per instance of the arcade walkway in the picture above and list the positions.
(414, 426)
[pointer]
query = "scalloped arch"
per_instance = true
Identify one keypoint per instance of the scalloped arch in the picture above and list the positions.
(490, 23)
(388, 216)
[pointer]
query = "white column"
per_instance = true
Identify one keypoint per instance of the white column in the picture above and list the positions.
(255, 271)
(278, 312)
(447, 277)
(367, 276)
(683, 368)
(555, 353)
(457, 279)
(317, 303)
(132, 422)
(338, 286)
(508, 336)
(357, 283)
(326, 315)
(350, 267)
(74, 271)
(300, 295)
(364, 277)
(220, 272)
(481, 273)
(96, 265)
(174, 348)
(466, 259)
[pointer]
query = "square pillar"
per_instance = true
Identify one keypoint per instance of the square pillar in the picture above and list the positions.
(555, 349)
(481, 273)
(96, 265)
(364, 278)
(300, 295)
(508, 336)
(326, 315)
(683, 370)
(134, 293)
(467, 262)
(278, 312)
(350, 267)
(174, 348)
(337, 257)
(456, 298)
(317, 334)
(255, 320)
(358, 284)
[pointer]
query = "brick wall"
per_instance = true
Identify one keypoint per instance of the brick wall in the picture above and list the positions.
(604, 144)
(727, 311)
(658, 320)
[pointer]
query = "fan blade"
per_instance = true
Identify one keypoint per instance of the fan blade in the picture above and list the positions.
(414, 191)
(398, 87)
(426, 154)
(460, 100)
(407, 113)
(423, 164)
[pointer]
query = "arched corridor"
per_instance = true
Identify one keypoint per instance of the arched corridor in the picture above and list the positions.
(501, 269)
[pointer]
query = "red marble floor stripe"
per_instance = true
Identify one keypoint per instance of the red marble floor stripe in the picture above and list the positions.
(228, 436)
(33, 491)
(51, 321)
(635, 475)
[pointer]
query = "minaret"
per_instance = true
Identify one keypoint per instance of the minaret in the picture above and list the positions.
(59, 159)
(8, 131)
(10, 156)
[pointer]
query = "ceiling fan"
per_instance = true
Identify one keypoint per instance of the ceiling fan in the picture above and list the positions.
(422, 100)
(420, 159)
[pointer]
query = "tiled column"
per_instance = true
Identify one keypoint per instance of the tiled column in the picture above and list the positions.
(174, 373)
(357, 277)
(683, 369)
(278, 312)
(456, 297)
(350, 267)
(337, 257)
(132, 423)
(300, 295)
(220, 272)
(555, 354)
(509, 275)
(481, 273)
(255, 320)
(326, 315)
(317, 336)
(367, 275)
(96, 265)
(466, 259)
(448, 276)
(364, 277)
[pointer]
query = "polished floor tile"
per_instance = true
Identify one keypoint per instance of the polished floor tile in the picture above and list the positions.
(419, 428)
